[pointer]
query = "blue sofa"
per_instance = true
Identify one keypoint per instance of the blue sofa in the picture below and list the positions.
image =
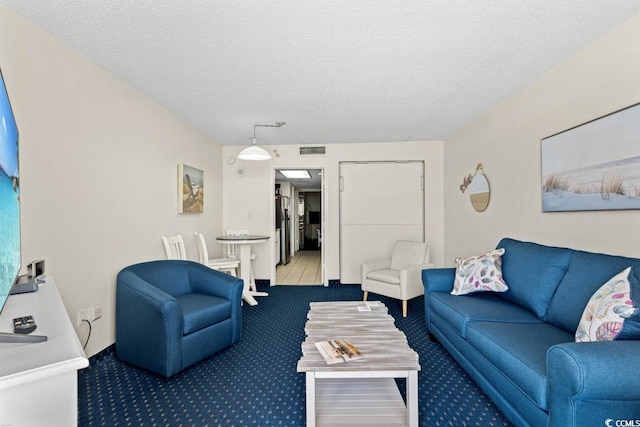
(171, 314)
(518, 346)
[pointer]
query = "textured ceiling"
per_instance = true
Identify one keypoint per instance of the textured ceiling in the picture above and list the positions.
(335, 71)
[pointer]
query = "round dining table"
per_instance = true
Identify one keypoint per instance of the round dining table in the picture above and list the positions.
(249, 291)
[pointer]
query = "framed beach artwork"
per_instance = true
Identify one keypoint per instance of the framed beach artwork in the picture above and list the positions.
(593, 166)
(190, 189)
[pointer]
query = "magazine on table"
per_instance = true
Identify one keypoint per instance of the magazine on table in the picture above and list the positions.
(367, 305)
(337, 351)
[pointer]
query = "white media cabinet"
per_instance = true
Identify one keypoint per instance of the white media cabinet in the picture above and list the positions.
(39, 381)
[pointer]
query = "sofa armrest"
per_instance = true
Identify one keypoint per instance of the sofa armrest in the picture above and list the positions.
(590, 383)
(438, 279)
(412, 278)
(148, 323)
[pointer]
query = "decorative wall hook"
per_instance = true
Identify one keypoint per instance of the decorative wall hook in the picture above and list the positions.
(466, 181)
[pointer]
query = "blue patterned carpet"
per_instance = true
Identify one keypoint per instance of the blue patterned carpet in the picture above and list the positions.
(255, 381)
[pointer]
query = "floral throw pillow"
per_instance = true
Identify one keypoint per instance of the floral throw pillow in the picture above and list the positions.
(479, 274)
(610, 313)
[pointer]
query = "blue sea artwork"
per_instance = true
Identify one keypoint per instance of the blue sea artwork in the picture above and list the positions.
(9, 197)
(10, 232)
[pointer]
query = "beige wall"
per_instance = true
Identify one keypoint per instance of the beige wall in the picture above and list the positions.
(248, 200)
(602, 78)
(98, 171)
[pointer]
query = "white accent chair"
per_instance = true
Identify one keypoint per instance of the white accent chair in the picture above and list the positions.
(400, 276)
(174, 246)
(226, 265)
(232, 252)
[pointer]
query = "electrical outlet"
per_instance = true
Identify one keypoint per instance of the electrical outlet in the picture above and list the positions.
(95, 312)
(82, 315)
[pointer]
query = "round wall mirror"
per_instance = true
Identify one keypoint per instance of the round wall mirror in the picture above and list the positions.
(479, 192)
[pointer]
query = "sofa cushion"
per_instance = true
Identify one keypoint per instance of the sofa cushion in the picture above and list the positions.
(458, 311)
(200, 311)
(533, 273)
(587, 272)
(520, 352)
(610, 312)
(479, 273)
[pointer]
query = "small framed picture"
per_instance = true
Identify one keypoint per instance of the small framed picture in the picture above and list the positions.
(190, 189)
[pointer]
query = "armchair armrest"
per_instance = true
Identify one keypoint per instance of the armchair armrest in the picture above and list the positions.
(382, 264)
(205, 280)
(412, 279)
(592, 382)
(140, 309)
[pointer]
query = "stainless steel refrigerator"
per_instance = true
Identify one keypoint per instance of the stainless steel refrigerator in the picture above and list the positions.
(283, 223)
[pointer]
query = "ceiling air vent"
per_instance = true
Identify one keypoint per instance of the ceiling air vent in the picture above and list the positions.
(306, 151)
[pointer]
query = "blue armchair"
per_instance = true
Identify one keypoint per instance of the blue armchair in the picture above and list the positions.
(171, 314)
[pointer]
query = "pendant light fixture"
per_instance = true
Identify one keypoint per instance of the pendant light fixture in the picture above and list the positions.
(253, 152)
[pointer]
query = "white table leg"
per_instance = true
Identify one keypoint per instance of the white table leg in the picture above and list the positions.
(412, 399)
(248, 292)
(245, 274)
(311, 399)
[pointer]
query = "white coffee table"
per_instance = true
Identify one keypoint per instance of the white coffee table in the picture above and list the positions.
(359, 391)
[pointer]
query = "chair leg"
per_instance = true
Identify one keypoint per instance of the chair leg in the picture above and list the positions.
(404, 308)
(364, 296)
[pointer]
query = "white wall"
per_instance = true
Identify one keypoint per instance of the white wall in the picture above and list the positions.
(98, 171)
(99, 168)
(602, 78)
(248, 199)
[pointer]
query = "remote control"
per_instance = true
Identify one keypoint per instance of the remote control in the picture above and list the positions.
(24, 325)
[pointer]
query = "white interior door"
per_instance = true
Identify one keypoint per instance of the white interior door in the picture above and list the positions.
(380, 202)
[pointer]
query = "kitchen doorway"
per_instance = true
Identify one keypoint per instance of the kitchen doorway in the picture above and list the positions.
(299, 206)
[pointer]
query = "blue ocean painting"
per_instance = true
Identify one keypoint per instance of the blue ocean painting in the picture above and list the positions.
(9, 197)
(10, 232)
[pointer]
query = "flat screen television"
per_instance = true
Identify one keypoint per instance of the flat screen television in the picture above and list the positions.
(9, 197)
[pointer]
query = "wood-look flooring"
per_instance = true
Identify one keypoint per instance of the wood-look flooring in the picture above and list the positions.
(303, 269)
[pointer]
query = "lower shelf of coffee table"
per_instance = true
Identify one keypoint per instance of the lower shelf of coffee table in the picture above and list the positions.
(363, 401)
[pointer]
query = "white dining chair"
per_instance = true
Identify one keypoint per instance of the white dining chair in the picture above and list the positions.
(174, 246)
(228, 265)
